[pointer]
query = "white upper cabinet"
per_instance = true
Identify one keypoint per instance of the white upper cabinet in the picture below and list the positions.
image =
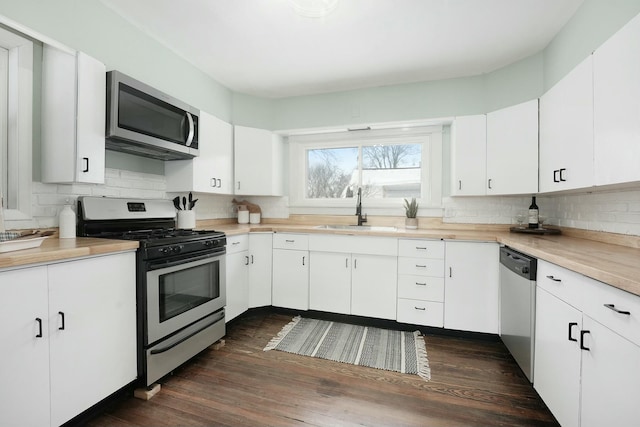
(73, 117)
(468, 156)
(616, 83)
(512, 149)
(211, 171)
(257, 162)
(566, 131)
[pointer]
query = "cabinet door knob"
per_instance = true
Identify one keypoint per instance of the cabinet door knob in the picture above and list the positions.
(86, 164)
(219, 183)
(489, 183)
(555, 175)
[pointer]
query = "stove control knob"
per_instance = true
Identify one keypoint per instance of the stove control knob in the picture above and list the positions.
(177, 249)
(165, 251)
(208, 243)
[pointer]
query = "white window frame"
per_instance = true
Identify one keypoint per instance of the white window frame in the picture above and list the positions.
(19, 128)
(431, 185)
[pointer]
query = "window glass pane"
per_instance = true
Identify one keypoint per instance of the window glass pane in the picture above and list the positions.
(332, 172)
(391, 170)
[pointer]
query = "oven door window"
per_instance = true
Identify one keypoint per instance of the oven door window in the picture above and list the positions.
(183, 290)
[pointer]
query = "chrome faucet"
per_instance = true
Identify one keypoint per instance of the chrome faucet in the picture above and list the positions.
(361, 219)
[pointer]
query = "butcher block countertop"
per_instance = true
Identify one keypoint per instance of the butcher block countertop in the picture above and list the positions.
(610, 258)
(54, 249)
(612, 263)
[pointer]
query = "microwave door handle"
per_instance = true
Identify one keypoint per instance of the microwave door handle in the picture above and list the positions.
(191, 130)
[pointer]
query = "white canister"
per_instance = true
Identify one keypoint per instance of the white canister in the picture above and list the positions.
(187, 220)
(67, 223)
(254, 218)
(243, 217)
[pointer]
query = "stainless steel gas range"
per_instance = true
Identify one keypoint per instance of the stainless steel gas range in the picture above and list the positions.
(180, 278)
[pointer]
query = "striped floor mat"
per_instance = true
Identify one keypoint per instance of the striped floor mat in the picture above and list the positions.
(397, 351)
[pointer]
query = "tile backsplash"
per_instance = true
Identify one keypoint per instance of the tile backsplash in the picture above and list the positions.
(609, 211)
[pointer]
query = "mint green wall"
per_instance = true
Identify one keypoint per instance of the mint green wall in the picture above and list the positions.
(593, 23)
(89, 26)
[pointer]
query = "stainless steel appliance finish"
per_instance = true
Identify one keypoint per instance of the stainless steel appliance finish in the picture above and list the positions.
(144, 121)
(180, 286)
(518, 306)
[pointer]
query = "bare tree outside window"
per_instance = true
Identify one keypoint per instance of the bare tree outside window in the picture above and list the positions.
(387, 171)
(330, 171)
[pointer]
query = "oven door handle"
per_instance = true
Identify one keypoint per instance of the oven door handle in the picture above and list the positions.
(151, 265)
(218, 317)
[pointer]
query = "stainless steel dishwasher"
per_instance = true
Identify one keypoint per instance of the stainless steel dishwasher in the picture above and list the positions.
(518, 306)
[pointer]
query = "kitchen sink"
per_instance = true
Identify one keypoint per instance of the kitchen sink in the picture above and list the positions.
(355, 227)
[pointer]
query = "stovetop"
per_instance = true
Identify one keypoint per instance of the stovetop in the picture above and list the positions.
(161, 236)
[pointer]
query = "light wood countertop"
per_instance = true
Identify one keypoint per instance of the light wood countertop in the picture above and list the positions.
(614, 264)
(54, 249)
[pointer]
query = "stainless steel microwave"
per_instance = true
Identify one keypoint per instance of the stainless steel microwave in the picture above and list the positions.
(146, 122)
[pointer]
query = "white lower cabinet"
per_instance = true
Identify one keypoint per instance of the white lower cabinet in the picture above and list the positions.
(421, 282)
(353, 275)
(374, 286)
(24, 360)
(260, 261)
(557, 357)
(290, 287)
(330, 282)
(587, 349)
(85, 313)
(471, 286)
(237, 276)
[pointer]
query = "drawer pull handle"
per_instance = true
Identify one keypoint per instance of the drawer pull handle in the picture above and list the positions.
(421, 266)
(421, 284)
(420, 308)
(290, 241)
(235, 243)
(421, 248)
(613, 307)
(571, 325)
(582, 346)
(554, 279)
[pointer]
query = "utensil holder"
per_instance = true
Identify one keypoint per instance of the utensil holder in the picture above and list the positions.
(187, 220)
(254, 218)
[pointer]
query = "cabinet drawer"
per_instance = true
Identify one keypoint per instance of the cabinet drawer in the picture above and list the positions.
(601, 303)
(421, 267)
(565, 284)
(421, 248)
(421, 287)
(291, 241)
(418, 312)
(237, 243)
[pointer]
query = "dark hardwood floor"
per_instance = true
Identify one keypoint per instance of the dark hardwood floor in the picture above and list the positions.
(474, 383)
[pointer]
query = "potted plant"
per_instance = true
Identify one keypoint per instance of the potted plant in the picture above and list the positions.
(411, 209)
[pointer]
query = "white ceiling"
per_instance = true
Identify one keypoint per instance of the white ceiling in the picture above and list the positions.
(263, 48)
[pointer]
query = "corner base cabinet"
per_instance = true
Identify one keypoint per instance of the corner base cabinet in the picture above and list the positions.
(587, 357)
(70, 335)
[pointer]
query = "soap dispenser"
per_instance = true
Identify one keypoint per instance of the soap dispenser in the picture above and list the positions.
(67, 222)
